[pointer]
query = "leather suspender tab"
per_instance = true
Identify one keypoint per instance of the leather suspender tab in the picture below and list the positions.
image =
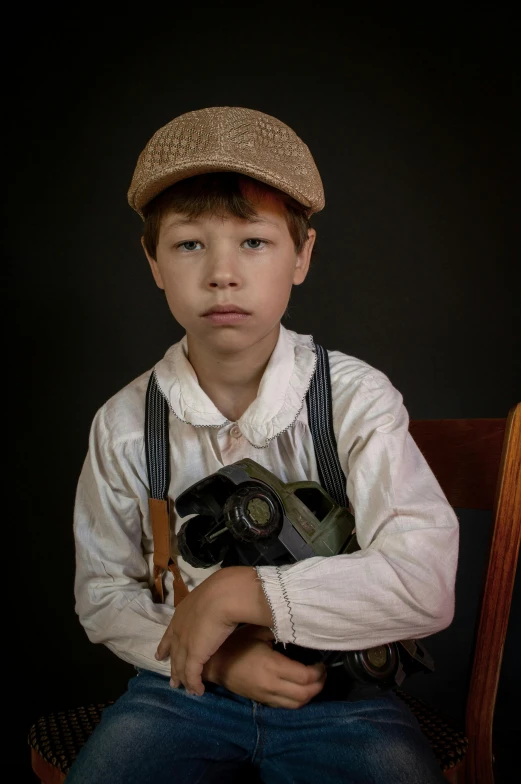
(180, 589)
(160, 518)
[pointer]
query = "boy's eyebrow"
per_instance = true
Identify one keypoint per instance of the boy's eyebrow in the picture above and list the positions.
(180, 221)
(258, 219)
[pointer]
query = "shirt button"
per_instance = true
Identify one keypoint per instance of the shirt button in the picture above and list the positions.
(235, 432)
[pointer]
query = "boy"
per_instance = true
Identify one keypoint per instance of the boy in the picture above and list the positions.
(226, 194)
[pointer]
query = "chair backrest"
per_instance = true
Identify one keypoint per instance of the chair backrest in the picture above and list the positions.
(478, 465)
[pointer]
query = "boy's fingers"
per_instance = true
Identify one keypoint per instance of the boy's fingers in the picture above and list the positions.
(174, 677)
(163, 649)
(297, 693)
(301, 674)
(177, 662)
(162, 652)
(318, 671)
(192, 677)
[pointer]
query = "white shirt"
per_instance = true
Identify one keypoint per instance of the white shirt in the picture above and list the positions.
(400, 585)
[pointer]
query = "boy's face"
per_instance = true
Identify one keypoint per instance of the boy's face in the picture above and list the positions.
(240, 265)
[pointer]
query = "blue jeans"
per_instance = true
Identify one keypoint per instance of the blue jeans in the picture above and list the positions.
(155, 733)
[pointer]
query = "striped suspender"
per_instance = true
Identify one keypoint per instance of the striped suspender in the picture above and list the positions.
(158, 469)
(320, 414)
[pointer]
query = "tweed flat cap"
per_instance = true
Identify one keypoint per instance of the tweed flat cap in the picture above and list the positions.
(232, 139)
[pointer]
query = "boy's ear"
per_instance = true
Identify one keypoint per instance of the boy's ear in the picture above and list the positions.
(304, 259)
(154, 266)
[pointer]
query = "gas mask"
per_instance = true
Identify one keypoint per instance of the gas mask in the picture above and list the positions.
(246, 516)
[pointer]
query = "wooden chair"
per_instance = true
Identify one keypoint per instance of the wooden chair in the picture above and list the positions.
(478, 464)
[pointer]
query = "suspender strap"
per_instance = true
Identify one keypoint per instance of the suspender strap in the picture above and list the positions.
(320, 414)
(332, 477)
(158, 469)
(156, 440)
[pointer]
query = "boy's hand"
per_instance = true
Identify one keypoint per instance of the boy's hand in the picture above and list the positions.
(247, 665)
(206, 617)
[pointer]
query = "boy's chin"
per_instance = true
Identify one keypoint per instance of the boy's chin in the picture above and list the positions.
(230, 340)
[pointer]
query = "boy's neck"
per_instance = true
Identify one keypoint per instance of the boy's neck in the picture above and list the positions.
(231, 380)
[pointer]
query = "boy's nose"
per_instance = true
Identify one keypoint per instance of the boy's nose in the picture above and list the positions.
(223, 273)
(220, 282)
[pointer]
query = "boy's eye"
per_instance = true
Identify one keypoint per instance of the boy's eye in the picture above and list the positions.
(254, 244)
(189, 245)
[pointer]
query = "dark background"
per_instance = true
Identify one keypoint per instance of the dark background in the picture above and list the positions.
(412, 121)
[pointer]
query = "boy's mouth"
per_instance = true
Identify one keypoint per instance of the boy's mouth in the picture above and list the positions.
(225, 309)
(226, 314)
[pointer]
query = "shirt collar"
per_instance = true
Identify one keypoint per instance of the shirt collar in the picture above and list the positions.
(280, 398)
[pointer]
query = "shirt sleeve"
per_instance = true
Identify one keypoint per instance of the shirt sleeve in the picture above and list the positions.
(113, 579)
(400, 584)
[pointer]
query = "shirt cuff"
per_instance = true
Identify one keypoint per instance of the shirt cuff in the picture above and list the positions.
(272, 579)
